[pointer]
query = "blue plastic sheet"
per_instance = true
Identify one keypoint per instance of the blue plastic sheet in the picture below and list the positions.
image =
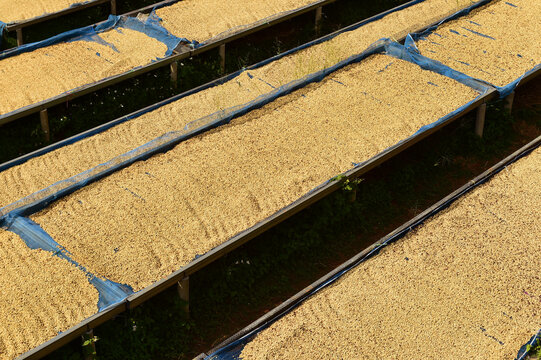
(35, 237)
(413, 38)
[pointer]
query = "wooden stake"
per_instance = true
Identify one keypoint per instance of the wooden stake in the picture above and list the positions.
(319, 16)
(222, 58)
(20, 40)
(183, 288)
(174, 74)
(113, 7)
(509, 101)
(480, 121)
(44, 118)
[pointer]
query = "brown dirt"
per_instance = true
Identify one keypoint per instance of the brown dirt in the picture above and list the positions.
(41, 296)
(68, 161)
(146, 221)
(508, 54)
(29, 9)
(464, 285)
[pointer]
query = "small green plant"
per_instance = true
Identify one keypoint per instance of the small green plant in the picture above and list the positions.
(535, 350)
(89, 346)
(349, 186)
(331, 54)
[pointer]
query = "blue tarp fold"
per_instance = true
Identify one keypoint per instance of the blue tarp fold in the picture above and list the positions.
(35, 237)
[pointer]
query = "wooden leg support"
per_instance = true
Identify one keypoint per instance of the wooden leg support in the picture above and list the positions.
(480, 121)
(113, 7)
(222, 58)
(44, 118)
(174, 74)
(319, 16)
(183, 288)
(20, 40)
(89, 345)
(509, 101)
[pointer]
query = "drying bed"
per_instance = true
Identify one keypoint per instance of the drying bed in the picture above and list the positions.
(140, 224)
(479, 44)
(35, 76)
(40, 172)
(396, 25)
(41, 296)
(67, 161)
(201, 20)
(29, 9)
(465, 284)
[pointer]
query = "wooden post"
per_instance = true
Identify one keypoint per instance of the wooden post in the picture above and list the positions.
(480, 120)
(44, 118)
(174, 74)
(20, 40)
(89, 345)
(183, 288)
(222, 58)
(509, 101)
(319, 16)
(113, 7)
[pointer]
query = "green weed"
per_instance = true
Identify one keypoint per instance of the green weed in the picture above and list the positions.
(535, 350)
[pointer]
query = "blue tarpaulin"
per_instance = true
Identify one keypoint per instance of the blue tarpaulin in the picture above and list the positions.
(35, 237)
